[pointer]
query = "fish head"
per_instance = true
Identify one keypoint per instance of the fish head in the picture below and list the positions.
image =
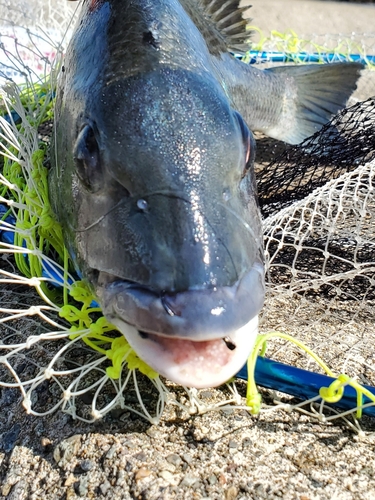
(158, 202)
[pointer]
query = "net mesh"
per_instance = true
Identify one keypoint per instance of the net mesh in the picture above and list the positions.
(339, 147)
(318, 204)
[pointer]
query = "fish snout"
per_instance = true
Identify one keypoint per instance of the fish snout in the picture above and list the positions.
(195, 314)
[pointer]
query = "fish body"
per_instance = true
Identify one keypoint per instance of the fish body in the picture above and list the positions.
(152, 175)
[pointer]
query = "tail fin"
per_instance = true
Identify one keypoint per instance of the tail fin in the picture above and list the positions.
(319, 92)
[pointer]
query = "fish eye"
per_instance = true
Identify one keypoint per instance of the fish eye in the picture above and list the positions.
(248, 142)
(87, 159)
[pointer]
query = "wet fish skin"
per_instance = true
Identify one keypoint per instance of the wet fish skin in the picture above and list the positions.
(152, 180)
(170, 168)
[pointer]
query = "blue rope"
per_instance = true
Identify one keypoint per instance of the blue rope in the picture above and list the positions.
(326, 57)
(302, 384)
(49, 271)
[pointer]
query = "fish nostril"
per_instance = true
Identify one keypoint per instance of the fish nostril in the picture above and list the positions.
(151, 38)
(142, 205)
(167, 306)
(229, 343)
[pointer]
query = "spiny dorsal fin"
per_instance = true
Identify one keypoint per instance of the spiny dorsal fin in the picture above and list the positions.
(227, 17)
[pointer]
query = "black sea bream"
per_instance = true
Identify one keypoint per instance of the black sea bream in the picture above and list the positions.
(152, 173)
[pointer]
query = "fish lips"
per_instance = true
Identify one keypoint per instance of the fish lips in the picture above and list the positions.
(197, 314)
(181, 336)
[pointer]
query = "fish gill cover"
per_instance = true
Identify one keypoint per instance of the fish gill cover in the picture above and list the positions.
(318, 205)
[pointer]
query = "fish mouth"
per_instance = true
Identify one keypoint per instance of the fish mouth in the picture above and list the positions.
(196, 338)
(199, 364)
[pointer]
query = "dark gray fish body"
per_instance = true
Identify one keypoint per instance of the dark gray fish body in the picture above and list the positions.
(153, 180)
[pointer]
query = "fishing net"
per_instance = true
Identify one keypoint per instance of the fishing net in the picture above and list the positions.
(318, 205)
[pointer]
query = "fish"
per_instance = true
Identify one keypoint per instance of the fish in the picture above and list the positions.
(152, 173)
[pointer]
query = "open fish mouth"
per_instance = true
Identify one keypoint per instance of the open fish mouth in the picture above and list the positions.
(200, 364)
(197, 338)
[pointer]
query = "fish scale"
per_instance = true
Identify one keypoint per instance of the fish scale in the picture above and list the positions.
(152, 175)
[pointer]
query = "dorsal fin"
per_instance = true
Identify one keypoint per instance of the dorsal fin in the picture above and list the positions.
(227, 16)
(221, 23)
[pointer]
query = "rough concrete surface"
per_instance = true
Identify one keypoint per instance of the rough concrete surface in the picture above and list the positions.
(220, 455)
(312, 16)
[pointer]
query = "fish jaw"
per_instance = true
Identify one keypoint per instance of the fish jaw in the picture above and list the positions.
(197, 338)
(197, 314)
(193, 364)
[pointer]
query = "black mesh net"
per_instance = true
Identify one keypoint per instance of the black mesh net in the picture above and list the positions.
(347, 141)
(318, 202)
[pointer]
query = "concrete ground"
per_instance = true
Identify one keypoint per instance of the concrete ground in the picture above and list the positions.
(312, 16)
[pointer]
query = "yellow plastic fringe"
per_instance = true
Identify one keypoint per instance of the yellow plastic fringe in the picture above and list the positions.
(38, 231)
(292, 46)
(331, 394)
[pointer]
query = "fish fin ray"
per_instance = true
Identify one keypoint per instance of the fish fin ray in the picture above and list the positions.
(321, 91)
(229, 20)
(224, 25)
